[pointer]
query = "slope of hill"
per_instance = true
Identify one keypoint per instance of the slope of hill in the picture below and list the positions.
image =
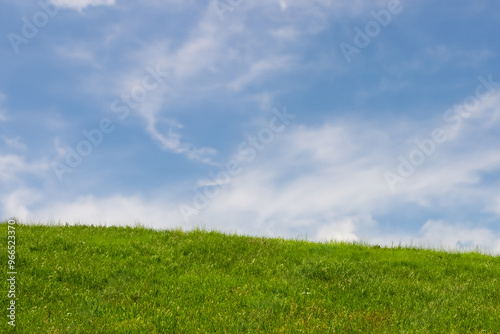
(87, 279)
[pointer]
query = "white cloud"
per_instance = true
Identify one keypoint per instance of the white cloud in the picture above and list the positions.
(322, 179)
(12, 165)
(16, 204)
(261, 68)
(17, 196)
(14, 142)
(318, 181)
(114, 210)
(444, 235)
(453, 236)
(344, 230)
(81, 4)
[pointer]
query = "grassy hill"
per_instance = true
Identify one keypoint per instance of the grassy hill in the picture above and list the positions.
(81, 279)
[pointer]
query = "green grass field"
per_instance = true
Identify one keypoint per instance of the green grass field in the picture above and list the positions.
(81, 279)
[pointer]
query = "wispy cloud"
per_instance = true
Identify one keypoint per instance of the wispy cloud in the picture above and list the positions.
(261, 68)
(14, 142)
(113, 210)
(336, 176)
(12, 166)
(81, 4)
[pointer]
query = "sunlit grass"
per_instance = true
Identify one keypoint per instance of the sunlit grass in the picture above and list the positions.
(81, 279)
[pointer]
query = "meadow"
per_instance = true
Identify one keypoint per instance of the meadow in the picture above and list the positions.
(95, 279)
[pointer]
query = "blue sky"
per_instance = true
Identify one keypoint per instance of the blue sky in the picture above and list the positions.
(326, 119)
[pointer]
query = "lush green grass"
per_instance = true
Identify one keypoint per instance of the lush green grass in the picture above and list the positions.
(80, 279)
